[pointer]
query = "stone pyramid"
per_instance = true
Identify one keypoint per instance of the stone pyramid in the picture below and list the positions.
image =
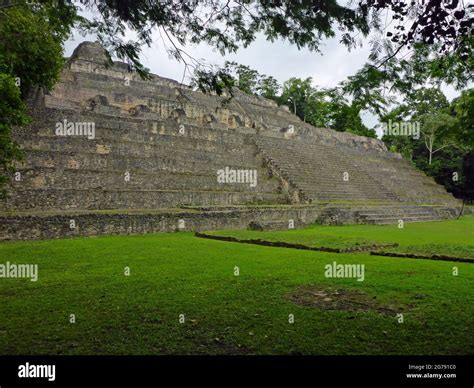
(111, 153)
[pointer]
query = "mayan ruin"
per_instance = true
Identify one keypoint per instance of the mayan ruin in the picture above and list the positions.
(151, 162)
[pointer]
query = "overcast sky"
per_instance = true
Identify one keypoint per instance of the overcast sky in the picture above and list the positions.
(279, 59)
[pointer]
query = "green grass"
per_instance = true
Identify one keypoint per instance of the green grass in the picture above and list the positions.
(177, 273)
(452, 238)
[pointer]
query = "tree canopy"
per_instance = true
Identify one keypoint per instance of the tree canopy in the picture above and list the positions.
(31, 54)
(446, 138)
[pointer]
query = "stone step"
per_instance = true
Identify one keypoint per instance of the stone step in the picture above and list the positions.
(398, 216)
(359, 161)
(407, 212)
(57, 198)
(353, 197)
(153, 144)
(40, 177)
(110, 158)
(345, 187)
(395, 220)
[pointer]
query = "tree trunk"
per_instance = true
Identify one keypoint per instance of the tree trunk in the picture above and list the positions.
(462, 208)
(431, 149)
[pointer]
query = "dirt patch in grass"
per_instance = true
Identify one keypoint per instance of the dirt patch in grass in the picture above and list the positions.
(332, 298)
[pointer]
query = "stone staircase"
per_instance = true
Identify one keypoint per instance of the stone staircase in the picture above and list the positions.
(319, 171)
(383, 214)
(393, 215)
(326, 173)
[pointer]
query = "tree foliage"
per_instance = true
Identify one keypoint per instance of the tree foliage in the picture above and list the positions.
(12, 112)
(224, 25)
(250, 81)
(463, 109)
(446, 135)
(330, 108)
(441, 26)
(295, 94)
(31, 36)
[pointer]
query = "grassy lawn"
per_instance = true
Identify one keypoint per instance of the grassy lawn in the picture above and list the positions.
(173, 274)
(452, 238)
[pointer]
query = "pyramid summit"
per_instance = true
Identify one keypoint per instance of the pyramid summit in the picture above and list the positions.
(91, 52)
(153, 159)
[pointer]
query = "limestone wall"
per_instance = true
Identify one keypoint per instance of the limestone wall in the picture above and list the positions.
(30, 227)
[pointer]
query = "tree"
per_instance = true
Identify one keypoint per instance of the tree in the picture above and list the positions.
(30, 48)
(30, 55)
(429, 107)
(468, 174)
(446, 135)
(246, 78)
(401, 144)
(295, 94)
(12, 112)
(437, 128)
(269, 87)
(250, 81)
(424, 101)
(222, 24)
(329, 108)
(319, 107)
(366, 90)
(463, 109)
